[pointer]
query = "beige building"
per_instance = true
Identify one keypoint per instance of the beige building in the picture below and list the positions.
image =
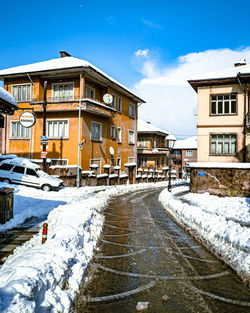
(223, 114)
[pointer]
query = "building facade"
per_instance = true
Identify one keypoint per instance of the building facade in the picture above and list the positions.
(106, 132)
(223, 114)
(183, 153)
(152, 150)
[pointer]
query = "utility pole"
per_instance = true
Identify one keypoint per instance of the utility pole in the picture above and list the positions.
(44, 124)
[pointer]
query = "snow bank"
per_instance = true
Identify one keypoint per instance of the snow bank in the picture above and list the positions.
(218, 222)
(45, 278)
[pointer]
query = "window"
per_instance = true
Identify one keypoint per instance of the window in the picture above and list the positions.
(142, 161)
(57, 129)
(224, 104)
(162, 161)
(98, 162)
(119, 109)
(31, 172)
(6, 167)
(112, 132)
(131, 160)
(113, 104)
(89, 92)
(18, 131)
(19, 169)
(142, 142)
(62, 162)
(189, 153)
(157, 143)
(63, 92)
(119, 161)
(119, 135)
(96, 131)
(21, 92)
(131, 110)
(176, 152)
(223, 144)
(112, 161)
(131, 137)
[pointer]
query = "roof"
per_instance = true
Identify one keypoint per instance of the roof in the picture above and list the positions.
(7, 103)
(189, 143)
(60, 64)
(230, 72)
(144, 127)
(228, 75)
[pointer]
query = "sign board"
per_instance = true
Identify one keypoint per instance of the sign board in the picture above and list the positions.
(201, 173)
(44, 142)
(44, 154)
(27, 119)
(44, 138)
(108, 98)
(83, 143)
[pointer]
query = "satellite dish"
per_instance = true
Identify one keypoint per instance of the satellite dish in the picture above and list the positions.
(111, 150)
(108, 98)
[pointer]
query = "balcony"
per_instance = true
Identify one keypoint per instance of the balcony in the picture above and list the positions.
(72, 104)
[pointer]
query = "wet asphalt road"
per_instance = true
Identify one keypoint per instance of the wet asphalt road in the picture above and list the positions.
(143, 255)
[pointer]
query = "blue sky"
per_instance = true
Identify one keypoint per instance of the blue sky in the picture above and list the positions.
(109, 33)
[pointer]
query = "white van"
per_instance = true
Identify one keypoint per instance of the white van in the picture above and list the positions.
(23, 171)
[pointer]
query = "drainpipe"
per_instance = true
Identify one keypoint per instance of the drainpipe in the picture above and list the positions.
(244, 154)
(79, 130)
(33, 91)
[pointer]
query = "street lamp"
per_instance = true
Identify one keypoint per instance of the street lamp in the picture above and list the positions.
(170, 143)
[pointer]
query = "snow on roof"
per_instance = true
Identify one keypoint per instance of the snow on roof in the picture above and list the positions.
(219, 165)
(6, 96)
(130, 164)
(230, 72)
(189, 143)
(149, 128)
(59, 64)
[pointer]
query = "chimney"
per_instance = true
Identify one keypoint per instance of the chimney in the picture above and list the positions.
(240, 63)
(148, 122)
(64, 54)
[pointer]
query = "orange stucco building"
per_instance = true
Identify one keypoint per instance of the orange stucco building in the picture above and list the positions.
(107, 132)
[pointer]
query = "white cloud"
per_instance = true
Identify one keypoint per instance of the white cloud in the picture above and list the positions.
(141, 53)
(151, 24)
(171, 101)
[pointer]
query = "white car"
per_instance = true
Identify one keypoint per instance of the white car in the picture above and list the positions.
(23, 171)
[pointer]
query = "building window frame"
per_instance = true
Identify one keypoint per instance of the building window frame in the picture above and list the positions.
(189, 153)
(99, 125)
(142, 142)
(59, 162)
(17, 131)
(131, 159)
(131, 110)
(63, 98)
(22, 98)
(119, 104)
(223, 104)
(131, 140)
(223, 144)
(113, 103)
(97, 161)
(90, 89)
(112, 132)
(56, 129)
(119, 135)
(119, 161)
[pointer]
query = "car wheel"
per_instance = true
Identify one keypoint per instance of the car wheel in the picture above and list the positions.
(7, 180)
(46, 188)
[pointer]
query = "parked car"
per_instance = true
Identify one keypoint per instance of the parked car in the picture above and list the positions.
(7, 156)
(23, 171)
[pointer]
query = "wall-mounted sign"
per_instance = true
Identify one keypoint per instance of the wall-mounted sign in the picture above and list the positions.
(44, 154)
(201, 173)
(108, 98)
(27, 119)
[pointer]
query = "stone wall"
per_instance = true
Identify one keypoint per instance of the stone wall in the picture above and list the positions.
(231, 182)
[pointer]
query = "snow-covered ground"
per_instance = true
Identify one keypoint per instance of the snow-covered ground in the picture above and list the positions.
(221, 223)
(45, 278)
